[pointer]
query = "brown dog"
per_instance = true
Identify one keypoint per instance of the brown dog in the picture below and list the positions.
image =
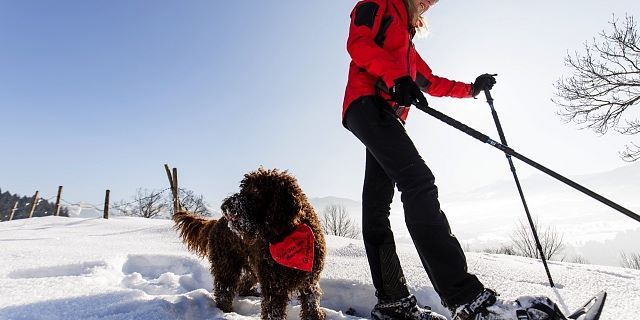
(269, 219)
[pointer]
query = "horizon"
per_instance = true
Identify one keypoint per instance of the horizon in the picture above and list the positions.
(446, 195)
(486, 218)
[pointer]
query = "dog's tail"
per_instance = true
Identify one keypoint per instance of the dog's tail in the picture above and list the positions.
(194, 231)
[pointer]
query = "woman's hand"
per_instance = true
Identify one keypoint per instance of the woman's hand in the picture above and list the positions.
(405, 92)
(483, 82)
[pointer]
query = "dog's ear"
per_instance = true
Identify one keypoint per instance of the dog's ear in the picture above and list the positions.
(287, 201)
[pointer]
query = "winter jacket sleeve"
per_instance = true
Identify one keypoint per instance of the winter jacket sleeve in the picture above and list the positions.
(438, 86)
(365, 21)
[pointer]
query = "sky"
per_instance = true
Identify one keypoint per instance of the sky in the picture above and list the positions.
(99, 95)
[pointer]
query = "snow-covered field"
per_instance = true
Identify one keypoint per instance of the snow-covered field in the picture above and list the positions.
(132, 268)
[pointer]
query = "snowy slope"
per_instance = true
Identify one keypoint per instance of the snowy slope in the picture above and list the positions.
(131, 268)
(487, 217)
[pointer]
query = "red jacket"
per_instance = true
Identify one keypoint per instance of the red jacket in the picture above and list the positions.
(389, 57)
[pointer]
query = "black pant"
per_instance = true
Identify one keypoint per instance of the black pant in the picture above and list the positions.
(393, 159)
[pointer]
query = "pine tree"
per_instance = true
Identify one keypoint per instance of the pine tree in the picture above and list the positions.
(44, 207)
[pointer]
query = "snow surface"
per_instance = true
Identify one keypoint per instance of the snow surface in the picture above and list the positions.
(133, 268)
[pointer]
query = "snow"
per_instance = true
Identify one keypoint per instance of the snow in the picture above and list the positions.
(133, 268)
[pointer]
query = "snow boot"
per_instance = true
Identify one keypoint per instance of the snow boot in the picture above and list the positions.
(487, 306)
(403, 309)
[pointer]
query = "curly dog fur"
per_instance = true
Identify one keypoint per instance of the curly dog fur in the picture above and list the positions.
(268, 206)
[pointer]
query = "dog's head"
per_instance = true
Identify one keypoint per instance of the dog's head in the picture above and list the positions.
(269, 204)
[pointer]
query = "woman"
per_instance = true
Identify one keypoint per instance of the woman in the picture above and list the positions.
(386, 76)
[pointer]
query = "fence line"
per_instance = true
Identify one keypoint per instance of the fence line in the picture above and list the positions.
(122, 206)
(32, 205)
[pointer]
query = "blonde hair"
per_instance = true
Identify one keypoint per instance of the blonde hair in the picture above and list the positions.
(417, 21)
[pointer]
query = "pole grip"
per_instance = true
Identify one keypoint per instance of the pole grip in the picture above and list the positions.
(487, 94)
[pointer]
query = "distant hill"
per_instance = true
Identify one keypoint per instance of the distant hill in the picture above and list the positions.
(487, 216)
(620, 183)
(353, 207)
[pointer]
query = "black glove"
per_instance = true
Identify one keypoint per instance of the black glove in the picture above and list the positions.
(483, 81)
(405, 92)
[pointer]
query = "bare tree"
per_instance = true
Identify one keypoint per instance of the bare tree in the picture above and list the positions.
(503, 249)
(145, 204)
(335, 221)
(524, 243)
(605, 84)
(575, 259)
(192, 202)
(631, 261)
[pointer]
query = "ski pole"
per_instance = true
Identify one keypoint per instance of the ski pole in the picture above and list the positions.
(503, 139)
(424, 106)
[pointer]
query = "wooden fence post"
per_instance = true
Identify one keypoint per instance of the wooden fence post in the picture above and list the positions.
(176, 198)
(15, 207)
(56, 208)
(34, 203)
(173, 189)
(106, 205)
(173, 182)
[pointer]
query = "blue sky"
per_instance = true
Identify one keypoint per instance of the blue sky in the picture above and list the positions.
(98, 95)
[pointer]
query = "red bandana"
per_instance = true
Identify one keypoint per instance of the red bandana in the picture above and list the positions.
(295, 250)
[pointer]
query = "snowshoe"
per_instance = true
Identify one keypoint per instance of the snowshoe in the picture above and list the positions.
(487, 306)
(403, 309)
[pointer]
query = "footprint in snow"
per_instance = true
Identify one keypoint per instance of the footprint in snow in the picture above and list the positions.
(66, 270)
(165, 274)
